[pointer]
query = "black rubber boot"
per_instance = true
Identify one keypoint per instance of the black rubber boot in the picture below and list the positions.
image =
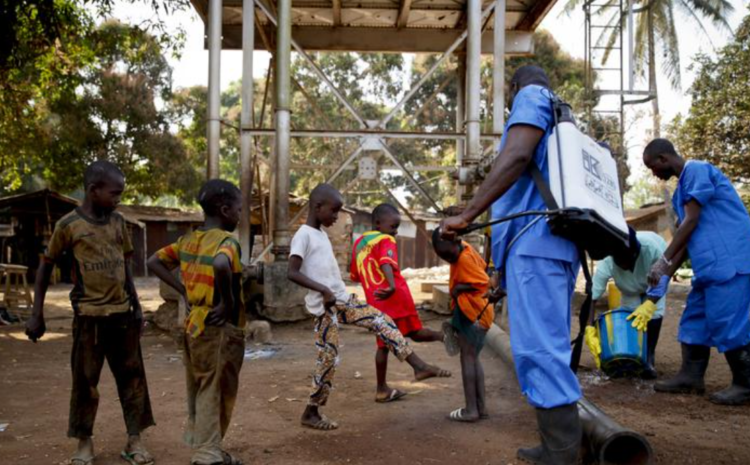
(690, 378)
(739, 391)
(652, 335)
(560, 431)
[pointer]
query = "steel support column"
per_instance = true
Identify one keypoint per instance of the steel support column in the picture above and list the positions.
(214, 87)
(281, 236)
(498, 70)
(460, 116)
(246, 122)
(473, 86)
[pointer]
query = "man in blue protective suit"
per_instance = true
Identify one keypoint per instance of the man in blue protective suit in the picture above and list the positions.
(540, 270)
(714, 232)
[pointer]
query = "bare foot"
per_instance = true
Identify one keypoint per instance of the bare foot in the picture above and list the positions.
(312, 418)
(430, 371)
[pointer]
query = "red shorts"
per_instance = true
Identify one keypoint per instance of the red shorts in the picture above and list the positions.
(406, 326)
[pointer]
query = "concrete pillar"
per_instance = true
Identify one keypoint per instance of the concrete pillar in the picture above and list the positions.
(214, 87)
(246, 122)
(281, 237)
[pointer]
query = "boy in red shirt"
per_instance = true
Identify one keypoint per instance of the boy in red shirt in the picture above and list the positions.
(375, 266)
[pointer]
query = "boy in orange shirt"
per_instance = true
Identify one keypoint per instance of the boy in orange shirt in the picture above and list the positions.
(473, 315)
(375, 266)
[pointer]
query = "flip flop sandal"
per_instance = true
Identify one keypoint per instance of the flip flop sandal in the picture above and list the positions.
(449, 339)
(392, 396)
(81, 460)
(132, 457)
(458, 415)
(324, 424)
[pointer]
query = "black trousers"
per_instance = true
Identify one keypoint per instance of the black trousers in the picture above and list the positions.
(115, 338)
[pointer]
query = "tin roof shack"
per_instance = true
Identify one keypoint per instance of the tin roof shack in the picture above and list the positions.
(414, 249)
(26, 225)
(27, 222)
(658, 218)
(161, 226)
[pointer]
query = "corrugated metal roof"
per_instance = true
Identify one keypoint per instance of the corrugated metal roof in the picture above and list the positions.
(155, 213)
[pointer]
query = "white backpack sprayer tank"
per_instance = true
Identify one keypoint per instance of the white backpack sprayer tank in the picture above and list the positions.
(583, 181)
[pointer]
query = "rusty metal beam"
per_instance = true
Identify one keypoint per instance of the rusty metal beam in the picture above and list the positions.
(336, 13)
(535, 16)
(344, 133)
(372, 39)
(403, 14)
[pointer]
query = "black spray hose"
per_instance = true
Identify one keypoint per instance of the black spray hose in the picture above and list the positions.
(476, 226)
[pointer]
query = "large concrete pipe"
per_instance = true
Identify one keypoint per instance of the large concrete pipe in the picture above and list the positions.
(604, 440)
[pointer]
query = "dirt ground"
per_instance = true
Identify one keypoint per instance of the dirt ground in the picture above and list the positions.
(35, 383)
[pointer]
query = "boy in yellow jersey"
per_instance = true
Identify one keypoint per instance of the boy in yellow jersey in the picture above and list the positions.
(107, 319)
(209, 262)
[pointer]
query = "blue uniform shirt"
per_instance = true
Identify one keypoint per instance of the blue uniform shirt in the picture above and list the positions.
(719, 247)
(532, 106)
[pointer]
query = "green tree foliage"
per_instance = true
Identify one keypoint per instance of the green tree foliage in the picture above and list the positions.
(109, 109)
(114, 114)
(717, 126)
(48, 49)
(36, 65)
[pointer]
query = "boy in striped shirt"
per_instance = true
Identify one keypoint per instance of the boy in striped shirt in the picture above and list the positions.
(214, 343)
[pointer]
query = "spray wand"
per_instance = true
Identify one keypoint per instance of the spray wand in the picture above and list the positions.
(476, 226)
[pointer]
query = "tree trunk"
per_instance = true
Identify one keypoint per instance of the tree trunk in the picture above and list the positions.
(652, 73)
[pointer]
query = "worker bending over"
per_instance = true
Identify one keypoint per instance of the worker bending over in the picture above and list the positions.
(714, 231)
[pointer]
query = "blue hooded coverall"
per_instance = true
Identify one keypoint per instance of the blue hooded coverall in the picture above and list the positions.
(717, 312)
(539, 270)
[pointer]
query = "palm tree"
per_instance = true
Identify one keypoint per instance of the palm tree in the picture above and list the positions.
(656, 29)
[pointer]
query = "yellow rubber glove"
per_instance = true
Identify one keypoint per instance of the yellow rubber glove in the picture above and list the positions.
(591, 337)
(642, 315)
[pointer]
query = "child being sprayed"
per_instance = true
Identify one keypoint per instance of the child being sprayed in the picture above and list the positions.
(313, 265)
(472, 317)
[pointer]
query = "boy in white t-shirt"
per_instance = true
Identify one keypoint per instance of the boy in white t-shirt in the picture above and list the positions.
(313, 265)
